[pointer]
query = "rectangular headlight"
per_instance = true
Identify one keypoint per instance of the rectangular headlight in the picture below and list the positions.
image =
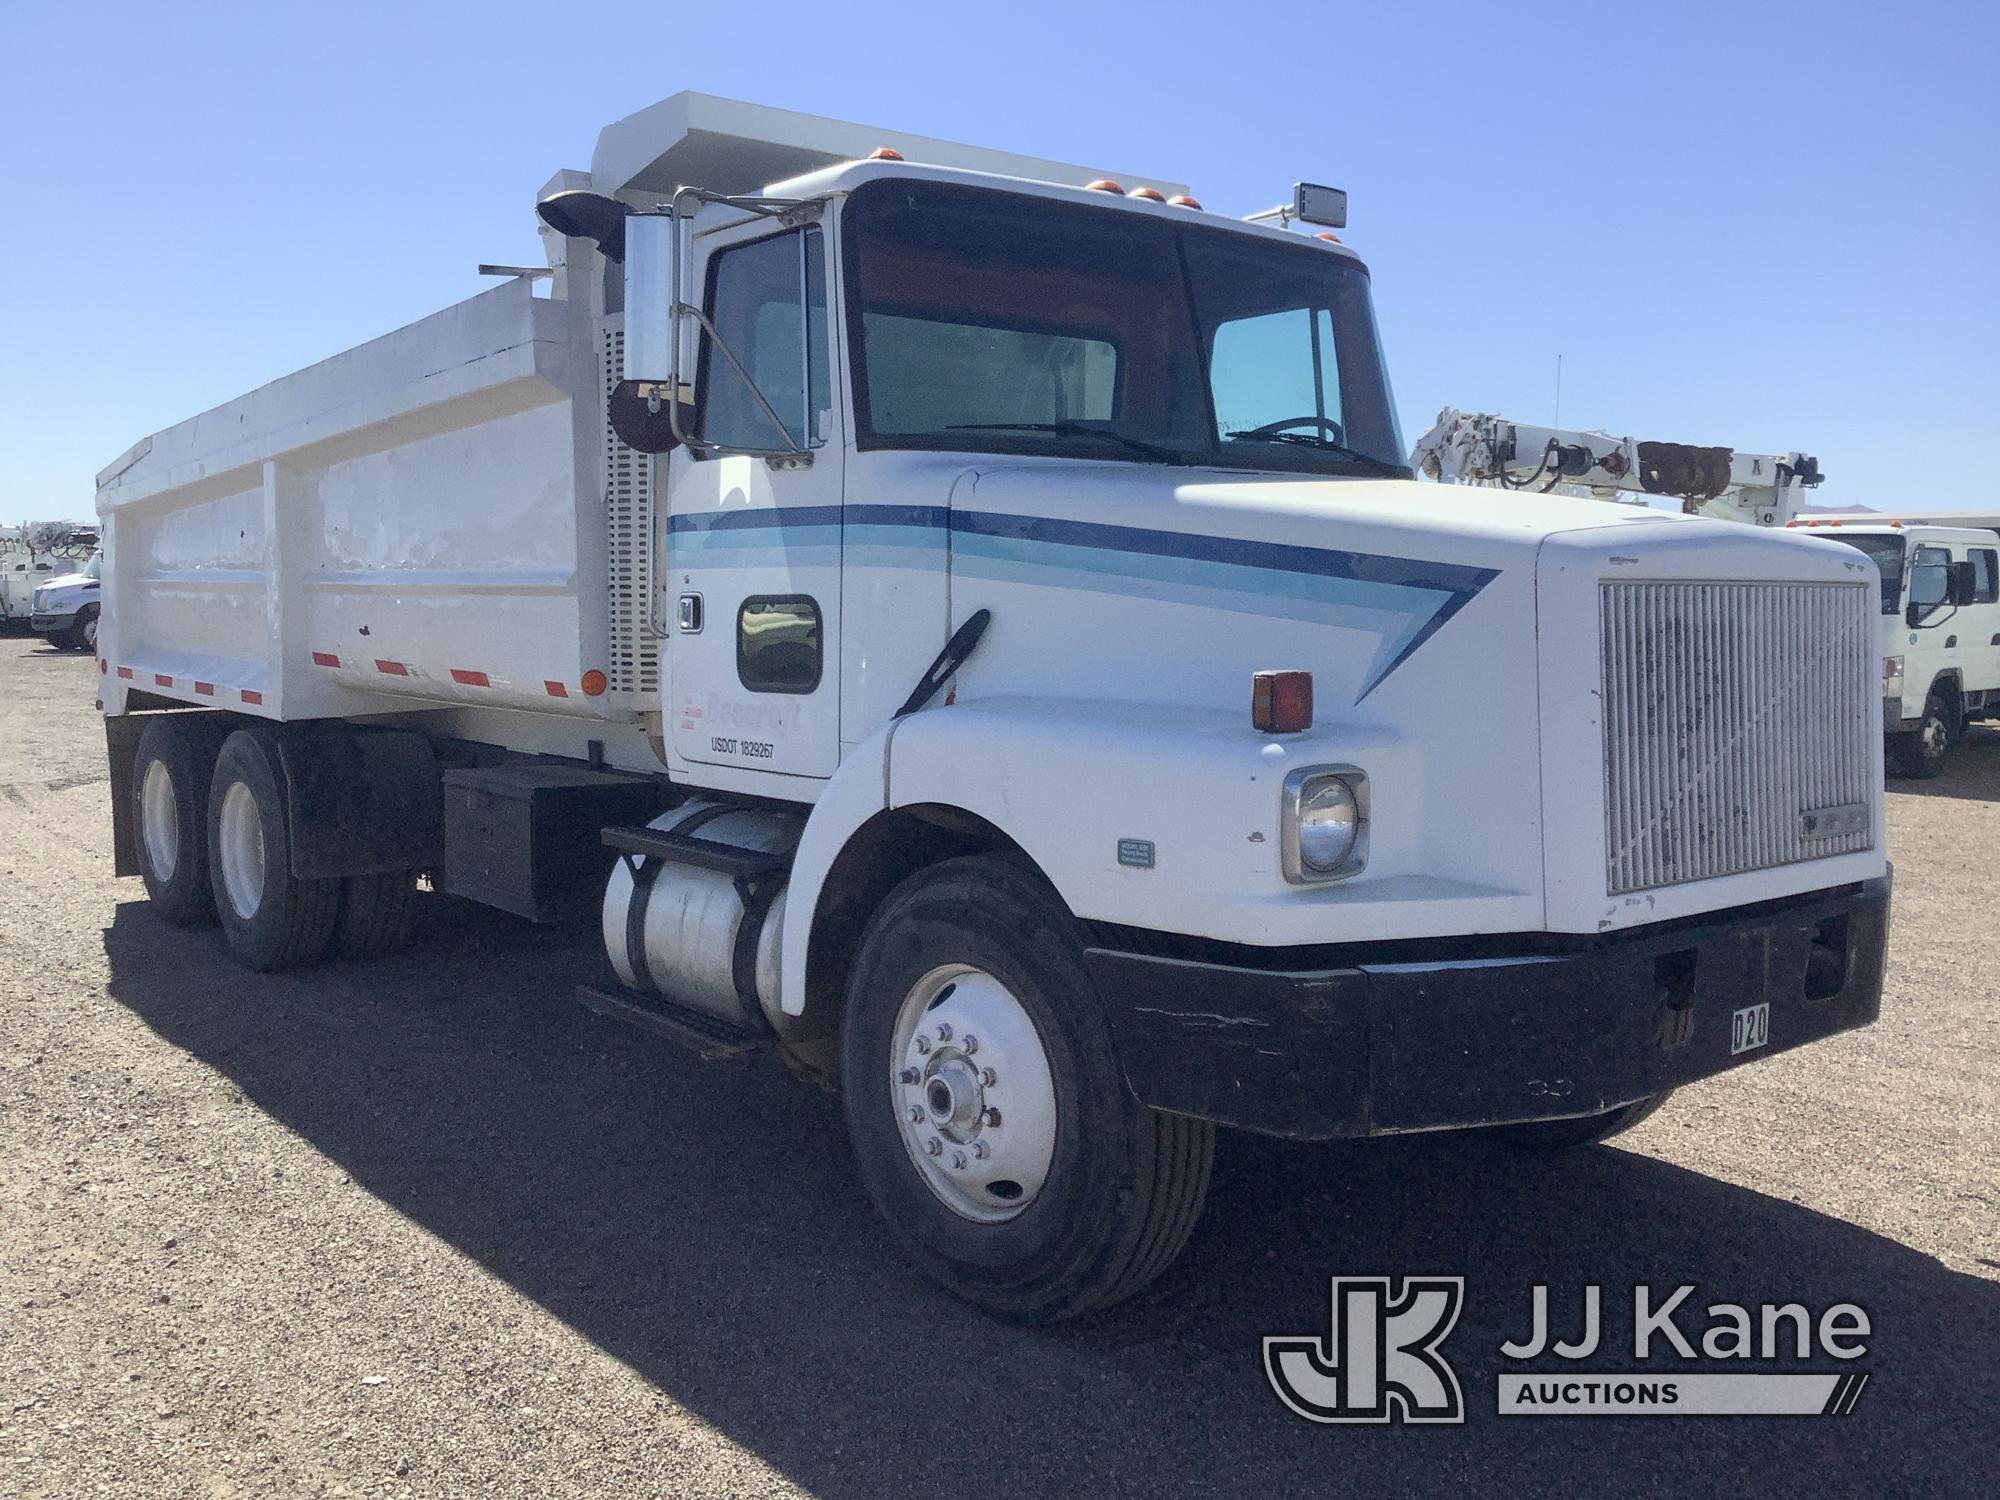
(1323, 824)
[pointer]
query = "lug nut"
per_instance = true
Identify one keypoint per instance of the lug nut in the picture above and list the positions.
(987, 1078)
(944, 1032)
(923, 1045)
(991, 1117)
(910, 1075)
(934, 1146)
(981, 1150)
(958, 1161)
(916, 1114)
(970, 1045)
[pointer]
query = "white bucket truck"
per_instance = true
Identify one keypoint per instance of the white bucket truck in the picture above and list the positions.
(1020, 679)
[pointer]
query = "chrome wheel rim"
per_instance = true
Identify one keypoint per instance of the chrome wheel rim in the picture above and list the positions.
(975, 1100)
(90, 632)
(159, 823)
(240, 850)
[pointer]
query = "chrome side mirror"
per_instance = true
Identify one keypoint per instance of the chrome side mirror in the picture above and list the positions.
(641, 405)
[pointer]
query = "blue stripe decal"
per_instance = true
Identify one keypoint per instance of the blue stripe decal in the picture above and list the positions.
(1404, 600)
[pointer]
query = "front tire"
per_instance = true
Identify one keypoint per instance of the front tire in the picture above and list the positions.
(1921, 756)
(82, 635)
(169, 791)
(272, 919)
(989, 1116)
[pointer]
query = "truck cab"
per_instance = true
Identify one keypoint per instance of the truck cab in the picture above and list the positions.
(967, 622)
(1940, 633)
(66, 607)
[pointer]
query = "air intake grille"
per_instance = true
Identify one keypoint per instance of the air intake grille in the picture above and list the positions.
(634, 665)
(1737, 727)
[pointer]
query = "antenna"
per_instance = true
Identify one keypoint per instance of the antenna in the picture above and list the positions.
(1558, 421)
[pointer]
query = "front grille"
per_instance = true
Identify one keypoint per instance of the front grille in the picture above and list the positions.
(1737, 727)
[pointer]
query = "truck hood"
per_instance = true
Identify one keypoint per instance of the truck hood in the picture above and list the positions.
(60, 590)
(1389, 562)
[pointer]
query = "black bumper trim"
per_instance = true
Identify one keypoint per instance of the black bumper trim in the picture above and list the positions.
(1408, 1042)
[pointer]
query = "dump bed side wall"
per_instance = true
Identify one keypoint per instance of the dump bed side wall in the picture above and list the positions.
(395, 527)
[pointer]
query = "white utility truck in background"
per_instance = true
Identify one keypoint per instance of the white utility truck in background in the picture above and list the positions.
(967, 622)
(1940, 631)
(33, 555)
(1939, 626)
(67, 606)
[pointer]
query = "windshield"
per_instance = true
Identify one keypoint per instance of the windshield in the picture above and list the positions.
(1888, 554)
(1000, 322)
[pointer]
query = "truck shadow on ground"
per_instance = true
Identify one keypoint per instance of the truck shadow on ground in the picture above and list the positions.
(701, 1222)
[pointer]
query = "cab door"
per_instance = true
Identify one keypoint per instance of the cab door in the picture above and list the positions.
(753, 549)
(1981, 635)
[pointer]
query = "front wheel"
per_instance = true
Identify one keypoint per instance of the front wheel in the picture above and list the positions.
(989, 1116)
(83, 631)
(1921, 755)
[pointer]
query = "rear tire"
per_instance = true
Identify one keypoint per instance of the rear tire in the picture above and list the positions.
(169, 792)
(1921, 755)
(272, 919)
(1092, 1194)
(376, 914)
(1561, 1135)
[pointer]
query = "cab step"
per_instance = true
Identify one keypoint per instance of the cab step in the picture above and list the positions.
(677, 848)
(708, 1038)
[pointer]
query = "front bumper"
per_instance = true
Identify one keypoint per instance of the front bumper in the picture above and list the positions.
(1380, 1038)
(42, 624)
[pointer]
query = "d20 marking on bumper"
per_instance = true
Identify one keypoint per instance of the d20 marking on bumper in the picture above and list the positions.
(1750, 1028)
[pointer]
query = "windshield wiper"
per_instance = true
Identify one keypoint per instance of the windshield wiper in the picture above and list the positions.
(1381, 466)
(1071, 427)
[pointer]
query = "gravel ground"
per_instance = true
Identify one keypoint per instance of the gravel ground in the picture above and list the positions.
(426, 1227)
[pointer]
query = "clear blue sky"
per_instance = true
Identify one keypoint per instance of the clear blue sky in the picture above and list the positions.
(1768, 225)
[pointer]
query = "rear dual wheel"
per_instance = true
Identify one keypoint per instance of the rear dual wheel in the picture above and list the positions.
(170, 777)
(270, 917)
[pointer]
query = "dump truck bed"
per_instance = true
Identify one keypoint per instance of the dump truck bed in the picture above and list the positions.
(396, 526)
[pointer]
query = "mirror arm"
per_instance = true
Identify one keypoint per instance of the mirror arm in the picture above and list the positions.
(791, 448)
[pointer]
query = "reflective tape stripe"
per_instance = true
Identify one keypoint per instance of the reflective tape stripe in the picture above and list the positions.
(391, 668)
(325, 659)
(556, 689)
(469, 679)
(251, 695)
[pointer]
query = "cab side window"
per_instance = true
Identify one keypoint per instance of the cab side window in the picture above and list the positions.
(1930, 581)
(1985, 574)
(767, 300)
(779, 645)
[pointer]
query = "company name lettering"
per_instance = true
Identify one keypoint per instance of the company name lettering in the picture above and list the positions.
(1731, 1330)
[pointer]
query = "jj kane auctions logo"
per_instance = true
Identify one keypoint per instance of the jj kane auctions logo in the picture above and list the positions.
(1382, 1358)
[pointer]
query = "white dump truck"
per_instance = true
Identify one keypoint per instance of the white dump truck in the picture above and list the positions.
(967, 621)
